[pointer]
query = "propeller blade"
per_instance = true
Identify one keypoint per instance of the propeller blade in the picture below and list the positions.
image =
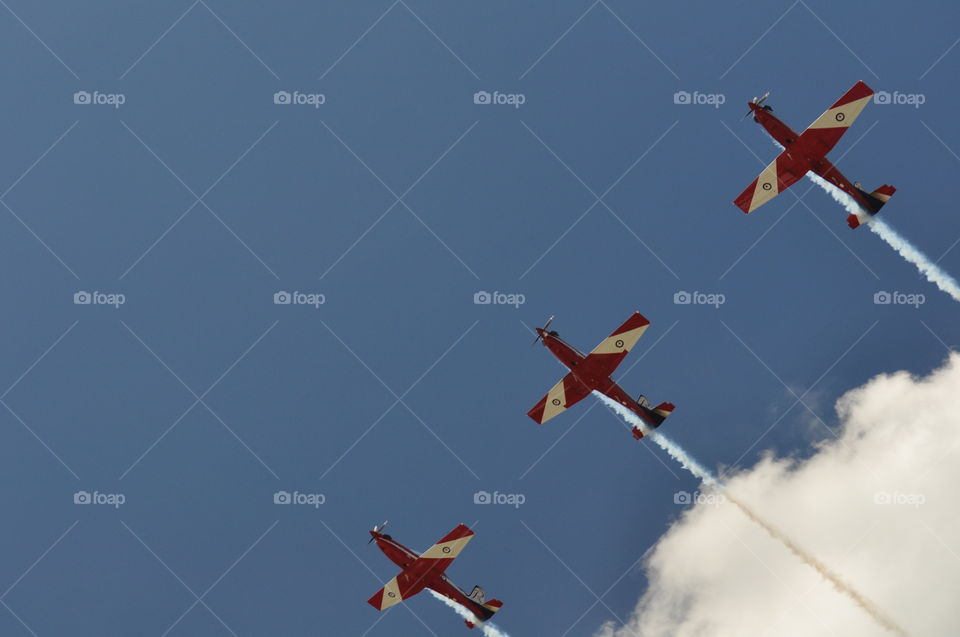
(757, 101)
(544, 328)
(376, 529)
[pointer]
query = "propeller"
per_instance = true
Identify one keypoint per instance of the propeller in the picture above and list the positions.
(545, 326)
(376, 529)
(756, 101)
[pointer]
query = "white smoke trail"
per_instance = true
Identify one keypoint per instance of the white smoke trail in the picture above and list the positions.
(704, 474)
(490, 630)
(904, 248)
(894, 239)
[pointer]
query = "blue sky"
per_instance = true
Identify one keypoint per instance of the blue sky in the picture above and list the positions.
(398, 199)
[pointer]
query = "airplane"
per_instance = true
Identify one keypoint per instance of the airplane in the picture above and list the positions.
(427, 570)
(807, 151)
(591, 372)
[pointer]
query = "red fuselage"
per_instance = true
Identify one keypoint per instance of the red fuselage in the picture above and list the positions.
(591, 377)
(808, 151)
(398, 553)
(431, 577)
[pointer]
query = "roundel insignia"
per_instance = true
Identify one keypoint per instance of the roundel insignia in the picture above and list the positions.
(445, 549)
(556, 402)
(619, 343)
(767, 185)
(840, 117)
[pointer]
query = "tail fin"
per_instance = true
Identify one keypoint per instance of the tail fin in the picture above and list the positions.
(663, 410)
(658, 414)
(491, 609)
(875, 200)
(488, 609)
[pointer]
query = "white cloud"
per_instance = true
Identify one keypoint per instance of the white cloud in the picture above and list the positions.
(715, 573)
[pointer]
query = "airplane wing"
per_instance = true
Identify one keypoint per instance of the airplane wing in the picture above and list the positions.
(424, 570)
(396, 590)
(816, 141)
(824, 133)
(566, 393)
(606, 356)
(439, 556)
(787, 169)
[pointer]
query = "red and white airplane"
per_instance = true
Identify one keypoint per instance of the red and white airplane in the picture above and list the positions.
(808, 150)
(426, 570)
(591, 372)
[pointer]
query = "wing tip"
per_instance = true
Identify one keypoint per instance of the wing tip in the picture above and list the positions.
(377, 600)
(640, 318)
(744, 201)
(462, 531)
(862, 90)
(536, 414)
(636, 320)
